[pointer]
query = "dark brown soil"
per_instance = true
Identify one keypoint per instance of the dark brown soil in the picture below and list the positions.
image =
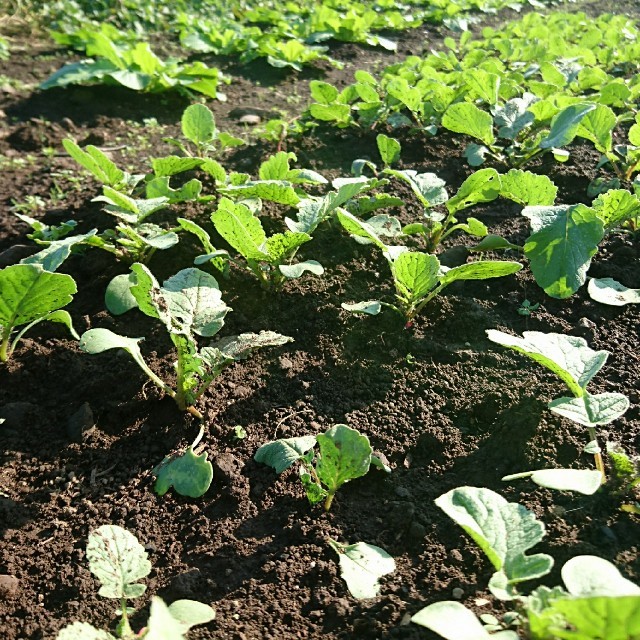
(443, 404)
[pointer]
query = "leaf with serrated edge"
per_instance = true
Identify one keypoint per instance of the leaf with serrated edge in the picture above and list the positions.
(528, 188)
(480, 186)
(569, 357)
(480, 270)
(609, 291)
(361, 566)
(118, 560)
(591, 410)
(198, 124)
(503, 530)
(190, 475)
(281, 454)
(464, 117)
(240, 228)
(415, 274)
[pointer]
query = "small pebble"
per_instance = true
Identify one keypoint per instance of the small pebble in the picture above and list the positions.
(458, 593)
(9, 586)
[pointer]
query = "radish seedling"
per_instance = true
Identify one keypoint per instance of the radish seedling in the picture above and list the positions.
(118, 560)
(188, 304)
(343, 455)
(29, 295)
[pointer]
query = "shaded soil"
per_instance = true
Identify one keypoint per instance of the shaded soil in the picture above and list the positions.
(444, 405)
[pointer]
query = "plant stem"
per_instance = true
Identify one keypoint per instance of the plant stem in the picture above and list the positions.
(4, 347)
(328, 501)
(597, 456)
(124, 629)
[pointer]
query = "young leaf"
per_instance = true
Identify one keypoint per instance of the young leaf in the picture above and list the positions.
(296, 270)
(389, 149)
(480, 270)
(415, 274)
(464, 117)
(569, 357)
(429, 189)
(585, 481)
(565, 239)
(609, 291)
(481, 186)
(591, 410)
(198, 124)
(240, 347)
(564, 125)
(83, 631)
(591, 576)
(118, 560)
(281, 454)
(56, 252)
(369, 307)
(190, 613)
(528, 188)
(96, 162)
(453, 621)
(118, 297)
(190, 475)
(240, 228)
(597, 126)
(616, 206)
(161, 624)
(503, 530)
(361, 566)
(359, 228)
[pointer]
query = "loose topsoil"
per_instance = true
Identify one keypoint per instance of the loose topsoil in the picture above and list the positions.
(445, 406)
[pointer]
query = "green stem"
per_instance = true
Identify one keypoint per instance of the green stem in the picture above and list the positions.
(328, 501)
(5, 352)
(597, 456)
(124, 629)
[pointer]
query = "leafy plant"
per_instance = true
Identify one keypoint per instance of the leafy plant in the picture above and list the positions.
(625, 474)
(597, 603)
(343, 454)
(29, 295)
(118, 560)
(188, 304)
(571, 359)
(418, 277)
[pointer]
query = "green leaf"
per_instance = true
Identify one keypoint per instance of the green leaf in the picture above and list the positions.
(118, 297)
(514, 116)
(482, 186)
(464, 117)
(483, 84)
(198, 124)
(296, 270)
(241, 346)
(569, 357)
(83, 631)
(591, 576)
(591, 410)
(344, 455)
(585, 481)
(323, 92)
(565, 124)
(480, 270)
(161, 624)
(170, 165)
(190, 475)
(29, 293)
(240, 228)
(361, 565)
(280, 191)
(96, 162)
(428, 188)
(597, 126)
(281, 246)
(369, 307)
(118, 560)
(160, 188)
(277, 166)
(281, 454)
(528, 188)
(492, 242)
(389, 149)
(475, 154)
(503, 530)
(565, 239)
(56, 252)
(340, 113)
(616, 206)
(415, 274)
(358, 228)
(190, 613)
(611, 292)
(453, 621)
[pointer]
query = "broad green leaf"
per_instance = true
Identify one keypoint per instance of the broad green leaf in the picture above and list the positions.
(475, 154)
(161, 624)
(389, 149)
(118, 297)
(503, 530)
(280, 191)
(241, 346)
(483, 84)
(369, 307)
(611, 292)
(198, 124)
(296, 270)
(564, 125)
(190, 475)
(585, 481)
(528, 188)
(118, 560)
(492, 242)
(569, 357)
(596, 618)
(170, 165)
(453, 621)
(281, 454)
(323, 92)
(344, 455)
(480, 270)
(591, 576)
(480, 186)
(591, 410)
(160, 188)
(616, 206)
(565, 239)
(415, 274)
(359, 228)
(83, 631)
(96, 162)
(474, 227)
(29, 293)
(240, 228)
(466, 118)
(340, 113)
(277, 166)
(191, 613)
(56, 252)
(597, 126)
(427, 186)
(361, 565)
(282, 245)
(514, 116)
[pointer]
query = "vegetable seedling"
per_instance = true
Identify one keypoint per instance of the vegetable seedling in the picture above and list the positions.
(118, 560)
(188, 304)
(343, 454)
(29, 295)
